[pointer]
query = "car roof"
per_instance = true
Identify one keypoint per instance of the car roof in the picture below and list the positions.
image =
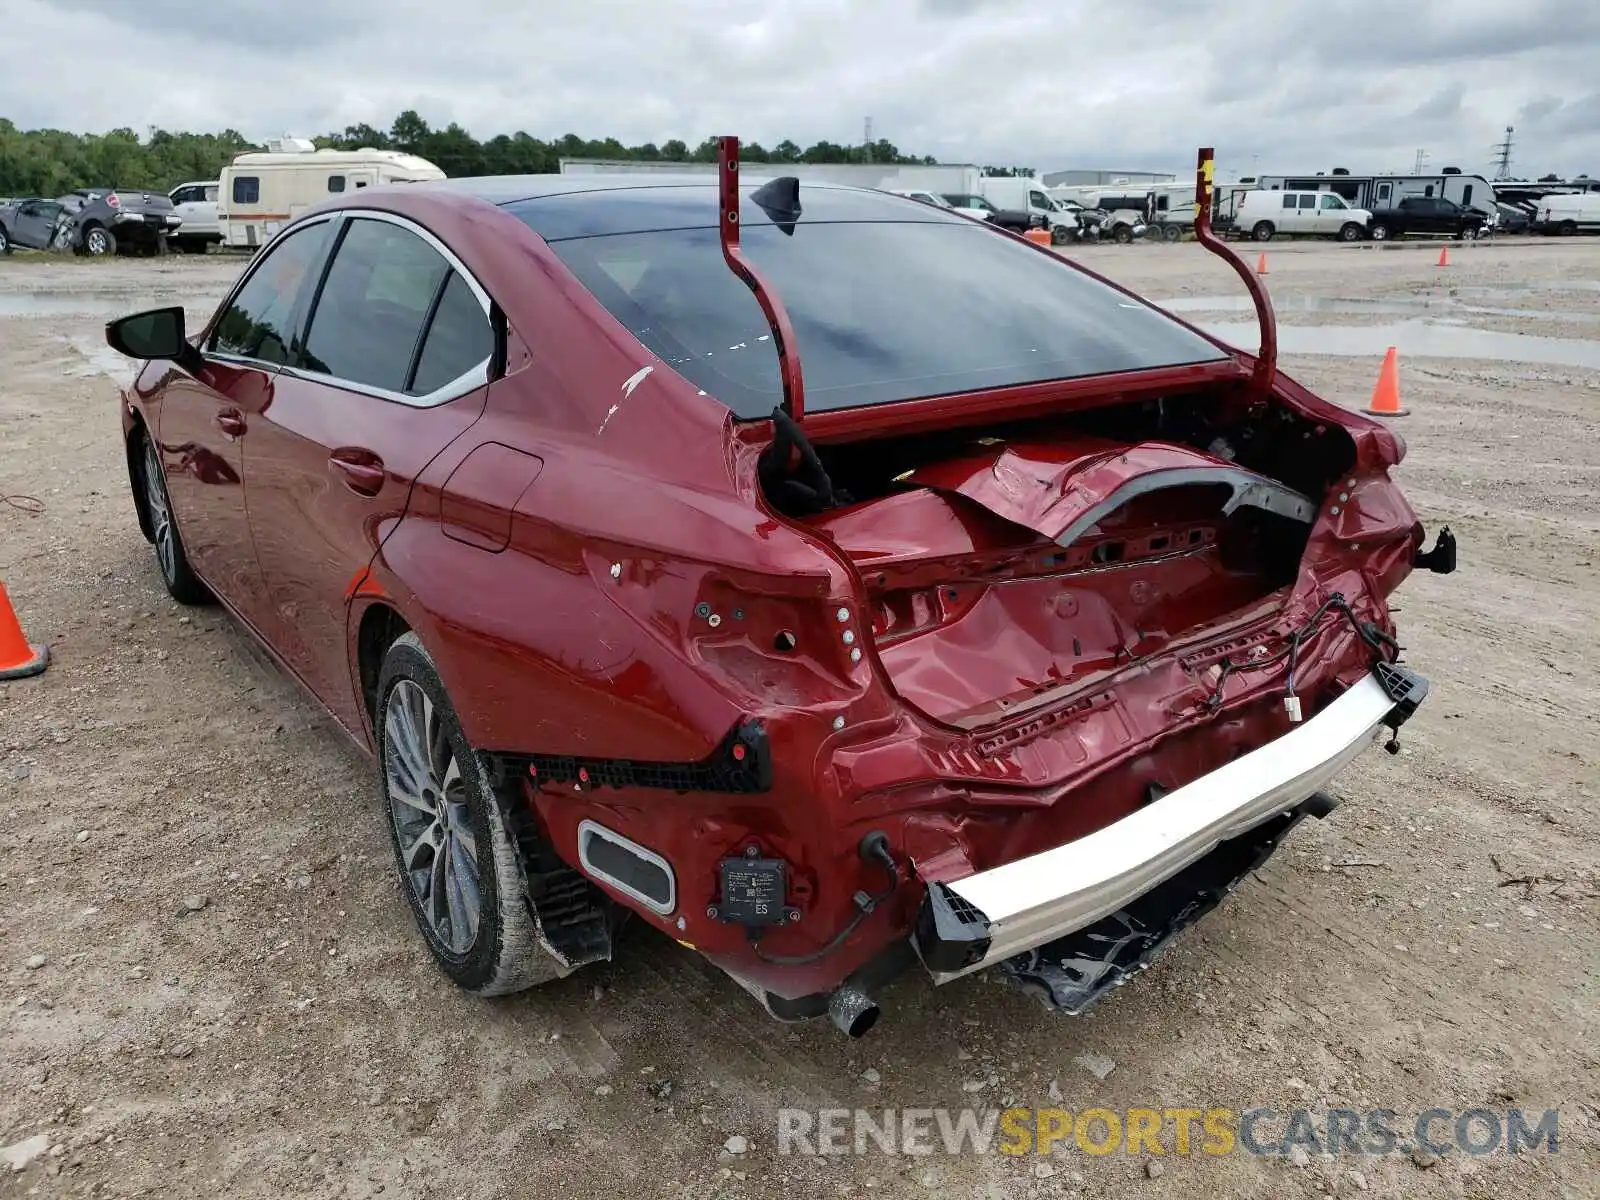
(569, 206)
(504, 189)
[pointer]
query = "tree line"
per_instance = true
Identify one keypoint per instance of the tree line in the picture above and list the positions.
(50, 162)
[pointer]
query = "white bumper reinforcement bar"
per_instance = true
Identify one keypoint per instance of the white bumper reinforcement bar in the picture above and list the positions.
(972, 923)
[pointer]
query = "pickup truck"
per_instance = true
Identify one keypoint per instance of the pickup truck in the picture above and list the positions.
(196, 203)
(1431, 215)
(1013, 219)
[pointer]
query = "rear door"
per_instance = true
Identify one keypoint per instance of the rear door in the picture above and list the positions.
(1305, 220)
(393, 366)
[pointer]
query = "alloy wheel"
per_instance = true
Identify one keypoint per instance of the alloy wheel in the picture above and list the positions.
(155, 494)
(432, 821)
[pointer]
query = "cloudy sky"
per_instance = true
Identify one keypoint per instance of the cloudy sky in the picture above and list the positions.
(1277, 86)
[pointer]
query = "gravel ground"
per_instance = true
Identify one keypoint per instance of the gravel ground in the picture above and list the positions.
(213, 987)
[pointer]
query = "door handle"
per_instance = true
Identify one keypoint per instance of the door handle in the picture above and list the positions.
(231, 422)
(362, 470)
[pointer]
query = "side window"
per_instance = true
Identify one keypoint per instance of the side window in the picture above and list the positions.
(1288, 200)
(459, 339)
(246, 189)
(1466, 195)
(1332, 202)
(1308, 201)
(211, 193)
(1038, 200)
(183, 195)
(373, 305)
(256, 324)
(336, 183)
(1383, 191)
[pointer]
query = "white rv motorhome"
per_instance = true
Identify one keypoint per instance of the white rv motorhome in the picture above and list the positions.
(263, 190)
(1386, 191)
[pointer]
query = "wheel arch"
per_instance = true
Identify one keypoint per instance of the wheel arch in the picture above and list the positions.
(379, 627)
(132, 446)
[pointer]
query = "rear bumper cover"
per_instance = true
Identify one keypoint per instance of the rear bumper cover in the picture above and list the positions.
(990, 917)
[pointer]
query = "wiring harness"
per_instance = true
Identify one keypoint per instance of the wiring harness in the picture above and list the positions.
(1383, 647)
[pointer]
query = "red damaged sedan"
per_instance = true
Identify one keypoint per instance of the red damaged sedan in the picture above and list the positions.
(831, 582)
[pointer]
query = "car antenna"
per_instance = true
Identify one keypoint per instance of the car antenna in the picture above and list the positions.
(1266, 369)
(784, 196)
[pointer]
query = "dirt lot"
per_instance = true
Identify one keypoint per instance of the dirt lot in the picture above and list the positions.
(1434, 943)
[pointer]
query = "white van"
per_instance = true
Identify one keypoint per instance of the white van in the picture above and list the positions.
(1262, 214)
(1022, 194)
(262, 190)
(1565, 215)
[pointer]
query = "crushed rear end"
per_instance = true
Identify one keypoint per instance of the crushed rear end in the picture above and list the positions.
(1130, 642)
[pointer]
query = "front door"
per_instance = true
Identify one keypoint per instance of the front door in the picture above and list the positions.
(1331, 214)
(35, 224)
(205, 418)
(393, 367)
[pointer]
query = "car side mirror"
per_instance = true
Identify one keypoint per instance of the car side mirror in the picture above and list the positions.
(153, 335)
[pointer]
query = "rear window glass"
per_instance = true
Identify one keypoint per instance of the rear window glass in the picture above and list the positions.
(883, 311)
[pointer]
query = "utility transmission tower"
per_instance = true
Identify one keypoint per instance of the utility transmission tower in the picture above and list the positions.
(1502, 169)
(866, 139)
(1422, 160)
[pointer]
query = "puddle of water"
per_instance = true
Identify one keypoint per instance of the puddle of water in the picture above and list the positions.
(1535, 285)
(1283, 304)
(101, 359)
(65, 304)
(1344, 304)
(1424, 339)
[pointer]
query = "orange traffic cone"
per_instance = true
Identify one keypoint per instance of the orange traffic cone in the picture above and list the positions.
(1444, 256)
(1261, 264)
(1386, 396)
(17, 657)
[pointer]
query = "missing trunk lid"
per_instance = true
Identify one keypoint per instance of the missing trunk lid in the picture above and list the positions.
(1039, 557)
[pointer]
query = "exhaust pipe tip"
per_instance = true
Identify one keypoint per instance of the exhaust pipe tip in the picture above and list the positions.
(852, 1011)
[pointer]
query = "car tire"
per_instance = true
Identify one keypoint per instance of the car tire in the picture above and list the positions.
(1171, 233)
(1567, 228)
(1379, 232)
(1060, 235)
(451, 834)
(1350, 232)
(192, 245)
(1263, 231)
(99, 242)
(183, 585)
(1122, 235)
(5, 241)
